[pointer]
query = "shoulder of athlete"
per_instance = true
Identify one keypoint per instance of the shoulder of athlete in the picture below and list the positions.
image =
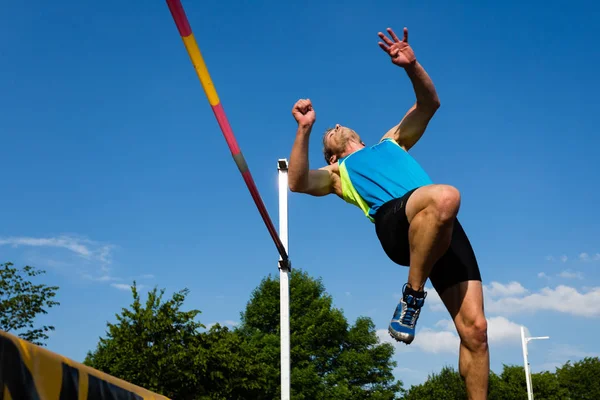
(334, 174)
(392, 135)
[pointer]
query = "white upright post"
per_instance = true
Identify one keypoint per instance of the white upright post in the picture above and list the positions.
(524, 342)
(284, 286)
(526, 364)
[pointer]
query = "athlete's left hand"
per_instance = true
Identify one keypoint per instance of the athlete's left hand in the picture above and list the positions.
(399, 50)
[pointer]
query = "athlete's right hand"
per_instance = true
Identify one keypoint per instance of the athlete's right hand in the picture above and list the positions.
(304, 113)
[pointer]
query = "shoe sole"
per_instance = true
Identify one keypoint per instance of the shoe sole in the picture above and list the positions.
(401, 337)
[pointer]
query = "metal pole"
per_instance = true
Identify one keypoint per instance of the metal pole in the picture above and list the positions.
(524, 342)
(284, 288)
(526, 364)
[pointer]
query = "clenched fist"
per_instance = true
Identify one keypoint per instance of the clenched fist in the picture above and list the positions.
(304, 113)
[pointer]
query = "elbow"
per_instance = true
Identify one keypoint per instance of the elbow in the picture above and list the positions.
(295, 187)
(430, 107)
(433, 105)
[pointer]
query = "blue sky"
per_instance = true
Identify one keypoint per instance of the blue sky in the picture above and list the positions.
(115, 169)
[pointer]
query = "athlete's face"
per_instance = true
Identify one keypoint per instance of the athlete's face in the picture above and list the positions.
(338, 141)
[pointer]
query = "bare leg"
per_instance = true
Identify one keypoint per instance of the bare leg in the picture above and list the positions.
(431, 211)
(464, 302)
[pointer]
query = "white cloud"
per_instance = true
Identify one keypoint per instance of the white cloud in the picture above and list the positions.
(121, 286)
(431, 341)
(512, 298)
(502, 330)
(384, 336)
(496, 289)
(445, 339)
(583, 256)
(543, 275)
(563, 299)
(570, 274)
(564, 352)
(124, 286)
(559, 354)
(84, 248)
(427, 340)
(446, 325)
(102, 278)
(80, 256)
(434, 300)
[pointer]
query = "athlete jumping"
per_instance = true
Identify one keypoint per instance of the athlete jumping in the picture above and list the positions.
(415, 219)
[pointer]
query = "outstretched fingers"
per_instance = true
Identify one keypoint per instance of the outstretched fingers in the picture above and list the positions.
(395, 37)
(405, 35)
(391, 32)
(384, 47)
(387, 43)
(385, 38)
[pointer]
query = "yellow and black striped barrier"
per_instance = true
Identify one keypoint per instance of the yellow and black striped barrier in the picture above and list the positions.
(30, 372)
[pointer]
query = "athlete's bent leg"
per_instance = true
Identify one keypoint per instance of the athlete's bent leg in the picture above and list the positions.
(431, 211)
(429, 216)
(464, 302)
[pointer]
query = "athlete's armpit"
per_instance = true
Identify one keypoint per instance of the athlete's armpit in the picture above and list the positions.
(408, 132)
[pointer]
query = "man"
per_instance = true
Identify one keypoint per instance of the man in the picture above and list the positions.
(415, 219)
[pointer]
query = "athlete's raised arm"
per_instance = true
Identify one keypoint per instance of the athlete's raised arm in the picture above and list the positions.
(413, 125)
(301, 178)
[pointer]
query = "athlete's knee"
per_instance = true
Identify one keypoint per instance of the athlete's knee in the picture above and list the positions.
(440, 202)
(445, 202)
(473, 332)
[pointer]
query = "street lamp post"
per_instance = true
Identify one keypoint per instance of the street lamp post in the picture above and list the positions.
(524, 342)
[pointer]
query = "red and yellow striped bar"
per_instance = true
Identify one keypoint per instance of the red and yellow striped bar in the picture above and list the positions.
(185, 31)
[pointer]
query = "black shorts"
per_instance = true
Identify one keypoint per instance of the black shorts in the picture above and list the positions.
(457, 265)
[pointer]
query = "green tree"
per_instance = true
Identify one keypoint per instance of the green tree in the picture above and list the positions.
(547, 387)
(232, 369)
(329, 358)
(163, 349)
(509, 385)
(21, 301)
(445, 385)
(155, 346)
(581, 380)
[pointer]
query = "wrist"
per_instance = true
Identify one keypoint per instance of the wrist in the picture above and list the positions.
(411, 67)
(304, 129)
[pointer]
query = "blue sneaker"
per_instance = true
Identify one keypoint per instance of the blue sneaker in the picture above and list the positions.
(403, 324)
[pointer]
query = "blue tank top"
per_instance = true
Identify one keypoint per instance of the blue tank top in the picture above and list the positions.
(377, 174)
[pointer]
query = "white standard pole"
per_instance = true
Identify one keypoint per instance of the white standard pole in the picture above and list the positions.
(284, 286)
(526, 364)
